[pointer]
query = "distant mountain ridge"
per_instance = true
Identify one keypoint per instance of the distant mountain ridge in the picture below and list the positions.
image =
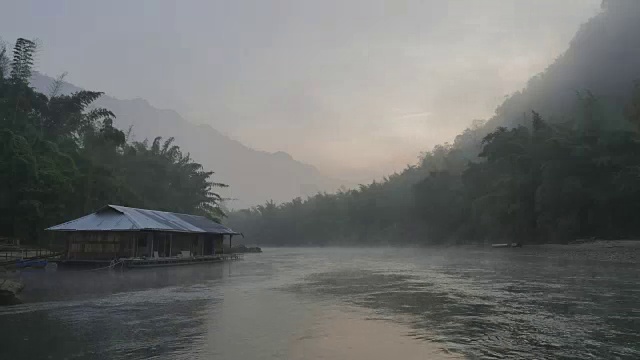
(254, 176)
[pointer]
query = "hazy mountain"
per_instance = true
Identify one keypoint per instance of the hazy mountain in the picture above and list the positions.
(254, 176)
(602, 58)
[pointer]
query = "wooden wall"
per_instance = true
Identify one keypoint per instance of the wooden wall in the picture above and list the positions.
(100, 245)
(110, 245)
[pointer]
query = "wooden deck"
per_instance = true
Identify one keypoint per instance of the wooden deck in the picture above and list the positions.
(135, 263)
(27, 255)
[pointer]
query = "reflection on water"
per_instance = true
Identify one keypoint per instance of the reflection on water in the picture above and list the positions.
(350, 335)
(501, 305)
(338, 303)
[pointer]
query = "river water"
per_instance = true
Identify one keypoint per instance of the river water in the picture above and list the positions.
(536, 302)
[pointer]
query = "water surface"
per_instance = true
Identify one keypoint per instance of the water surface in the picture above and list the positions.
(536, 302)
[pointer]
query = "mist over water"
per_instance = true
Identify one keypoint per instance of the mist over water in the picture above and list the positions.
(274, 119)
(536, 302)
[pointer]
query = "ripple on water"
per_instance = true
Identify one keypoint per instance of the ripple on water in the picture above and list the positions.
(488, 314)
(530, 303)
(138, 324)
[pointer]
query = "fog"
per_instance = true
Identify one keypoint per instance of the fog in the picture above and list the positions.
(355, 88)
(313, 180)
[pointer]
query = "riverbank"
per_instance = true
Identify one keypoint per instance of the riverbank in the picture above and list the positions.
(623, 251)
(590, 243)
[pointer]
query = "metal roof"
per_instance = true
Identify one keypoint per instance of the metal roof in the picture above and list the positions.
(122, 218)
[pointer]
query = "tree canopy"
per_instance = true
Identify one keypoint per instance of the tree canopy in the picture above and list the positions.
(537, 183)
(61, 157)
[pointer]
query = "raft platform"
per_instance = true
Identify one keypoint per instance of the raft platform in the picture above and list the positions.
(177, 261)
(136, 263)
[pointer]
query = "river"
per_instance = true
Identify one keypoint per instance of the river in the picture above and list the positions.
(558, 302)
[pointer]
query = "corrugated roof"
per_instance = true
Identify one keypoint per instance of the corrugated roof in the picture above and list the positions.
(122, 218)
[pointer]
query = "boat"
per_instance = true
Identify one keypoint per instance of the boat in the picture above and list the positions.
(35, 263)
(507, 245)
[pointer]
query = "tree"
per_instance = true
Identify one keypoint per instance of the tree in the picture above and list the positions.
(61, 157)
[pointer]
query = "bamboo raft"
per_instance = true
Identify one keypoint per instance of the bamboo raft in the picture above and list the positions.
(177, 261)
(149, 262)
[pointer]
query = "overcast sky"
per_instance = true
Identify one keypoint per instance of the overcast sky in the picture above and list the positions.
(357, 88)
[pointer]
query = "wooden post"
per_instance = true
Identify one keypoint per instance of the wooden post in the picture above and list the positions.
(230, 239)
(170, 242)
(150, 244)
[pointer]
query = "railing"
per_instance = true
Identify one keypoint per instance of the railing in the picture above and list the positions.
(10, 256)
(8, 253)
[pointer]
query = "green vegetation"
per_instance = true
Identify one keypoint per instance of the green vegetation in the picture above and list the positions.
(570, 171)
(538, 183)
(61, 158)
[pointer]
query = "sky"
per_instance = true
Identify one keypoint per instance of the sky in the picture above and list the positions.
(357, 88)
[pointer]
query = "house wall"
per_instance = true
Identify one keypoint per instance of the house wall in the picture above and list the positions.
(142, 244)
(183, 242)
(113, 245)
(217, 242)
(99, 245)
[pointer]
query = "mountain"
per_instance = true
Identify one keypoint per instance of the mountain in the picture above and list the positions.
(602, 58)
(254, 176)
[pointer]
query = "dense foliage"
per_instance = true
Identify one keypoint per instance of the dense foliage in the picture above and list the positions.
(517, 177)
(61, 158)
(538, 183)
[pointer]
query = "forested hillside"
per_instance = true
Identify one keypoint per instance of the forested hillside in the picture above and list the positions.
(558, 161)
(60, 160)
(281, 176)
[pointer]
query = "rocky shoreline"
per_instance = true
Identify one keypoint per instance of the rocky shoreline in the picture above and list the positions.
(9, 290)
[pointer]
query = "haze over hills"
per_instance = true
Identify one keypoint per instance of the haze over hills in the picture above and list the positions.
(601, 59)
(254, 176)
(597, 46)
(558, 161)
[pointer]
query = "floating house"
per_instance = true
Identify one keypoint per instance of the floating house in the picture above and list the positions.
(141, 237)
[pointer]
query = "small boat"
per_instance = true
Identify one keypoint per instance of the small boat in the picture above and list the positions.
(36, 263)
(507, 245)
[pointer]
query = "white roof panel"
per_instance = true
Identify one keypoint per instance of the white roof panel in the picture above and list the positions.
(122, 218)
